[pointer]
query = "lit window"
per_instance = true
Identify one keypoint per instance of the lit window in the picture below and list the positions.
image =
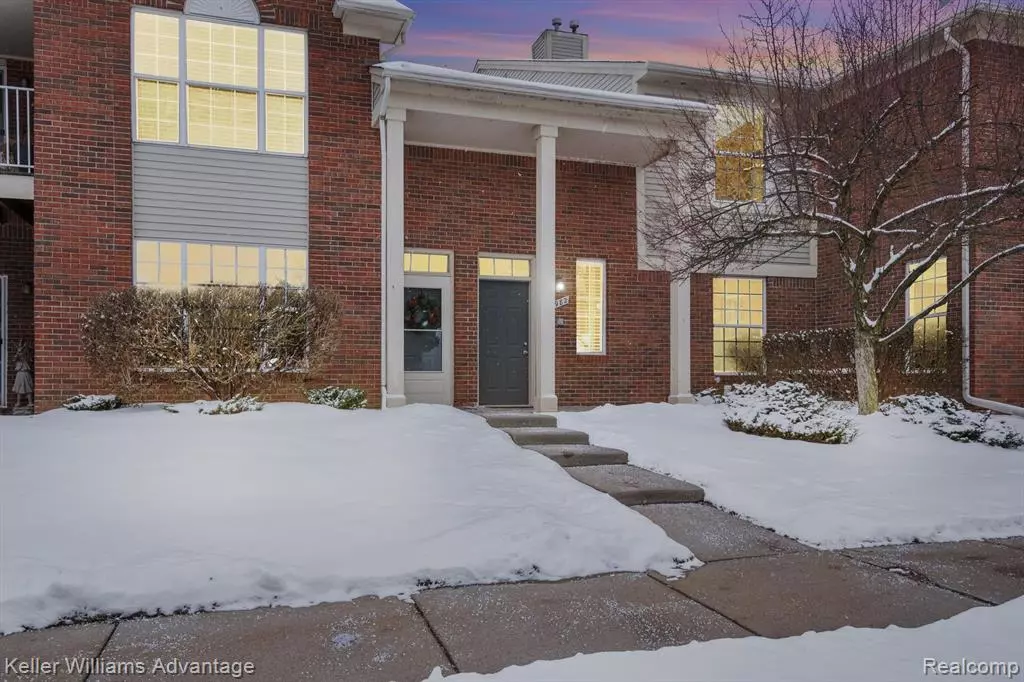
(930, 330)
(286, 267)
(222, 118)
(517, 268)
(739, 155)
(161, 264)
(426, 263)
(738, 324)
(227, 103)
(590, 306)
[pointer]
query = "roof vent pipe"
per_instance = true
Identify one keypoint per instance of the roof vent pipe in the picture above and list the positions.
(557, 23)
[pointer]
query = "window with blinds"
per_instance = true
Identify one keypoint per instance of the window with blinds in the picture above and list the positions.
(176, 265)
(215, 84)
(738, 324)
(739, 155)
(930, 330)
(590, 307)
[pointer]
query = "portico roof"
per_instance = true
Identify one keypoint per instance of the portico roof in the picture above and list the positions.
(450, 108)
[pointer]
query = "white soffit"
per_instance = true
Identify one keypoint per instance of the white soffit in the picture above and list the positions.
(385, 20)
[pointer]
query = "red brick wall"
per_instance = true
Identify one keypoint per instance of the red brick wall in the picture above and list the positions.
(16, 263)
(18, 69)
(997, 296)
(83, 178)
(488, 205)
(789, 306)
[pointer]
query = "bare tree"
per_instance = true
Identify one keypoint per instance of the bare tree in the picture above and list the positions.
(855, 129)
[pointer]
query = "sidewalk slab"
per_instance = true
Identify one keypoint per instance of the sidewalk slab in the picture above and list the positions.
(519, 419)
(488, 627)
(633, 485)
(984, 570)
(1015, 542)
(789, 594)
(79, 642)
(537, 435)
(713, 534)
(371, 640)
(570, 455)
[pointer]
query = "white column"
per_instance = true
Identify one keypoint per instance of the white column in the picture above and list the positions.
(680, 389)
(542, 308)
(394, 216)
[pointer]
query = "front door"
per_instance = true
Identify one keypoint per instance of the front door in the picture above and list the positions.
(504, 335)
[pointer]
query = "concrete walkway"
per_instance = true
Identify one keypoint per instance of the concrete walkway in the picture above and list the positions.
(753, 582)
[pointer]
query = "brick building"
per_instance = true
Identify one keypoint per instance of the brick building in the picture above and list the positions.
(480, 228)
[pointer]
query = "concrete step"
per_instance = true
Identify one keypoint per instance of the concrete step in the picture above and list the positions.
(632, 485)
(532, 435)
(503, 420)
(581, 455)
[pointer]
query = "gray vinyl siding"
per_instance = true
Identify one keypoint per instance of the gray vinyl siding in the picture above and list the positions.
(656, 198)
(788, 253)
(567, 46)
(593, 81)
(215, 195)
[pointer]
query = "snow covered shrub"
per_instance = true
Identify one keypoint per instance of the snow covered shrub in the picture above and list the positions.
(92, 403)
(713, 395)
(217, 340)
(949, 418)
(338, 397)
(235, 405)
(786, 410)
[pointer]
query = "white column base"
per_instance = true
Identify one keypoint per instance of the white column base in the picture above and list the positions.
(394, 400)
(546, 403)
(683, 399)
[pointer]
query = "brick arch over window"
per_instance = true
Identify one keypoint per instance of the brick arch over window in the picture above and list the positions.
(234, 10)
(304, 13)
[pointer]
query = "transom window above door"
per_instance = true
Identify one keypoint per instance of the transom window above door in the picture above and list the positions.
(518, 268)
(426, 263)
(218, 84)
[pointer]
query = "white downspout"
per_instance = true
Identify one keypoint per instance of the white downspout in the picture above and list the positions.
(382, 124)
(965, 243)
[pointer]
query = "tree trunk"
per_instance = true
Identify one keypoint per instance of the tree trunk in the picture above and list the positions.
(865, 346)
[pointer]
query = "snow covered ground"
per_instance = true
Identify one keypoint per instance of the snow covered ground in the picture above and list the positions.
(139, 509)
(982, 643)
(895, 482)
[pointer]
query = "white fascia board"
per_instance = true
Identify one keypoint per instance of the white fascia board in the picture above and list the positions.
(432, 75)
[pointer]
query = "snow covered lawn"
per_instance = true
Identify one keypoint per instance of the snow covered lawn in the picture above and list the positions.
(982, 643)
(139, 509)
(895, 482)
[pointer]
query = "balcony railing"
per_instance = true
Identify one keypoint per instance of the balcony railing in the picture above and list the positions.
(15, 129)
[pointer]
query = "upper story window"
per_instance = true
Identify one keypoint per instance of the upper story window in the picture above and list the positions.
(739, 155)
(217, 84)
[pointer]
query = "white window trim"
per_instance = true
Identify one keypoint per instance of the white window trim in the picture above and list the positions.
(182, 82)
(763, 326)
(604, 305)
(262, 267)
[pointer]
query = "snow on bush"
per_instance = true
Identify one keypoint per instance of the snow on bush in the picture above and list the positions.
(338, 397)
(951, 419)
(240, 403)
(92, 403)
(786, 410)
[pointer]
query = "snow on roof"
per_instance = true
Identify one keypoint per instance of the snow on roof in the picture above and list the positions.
(387, 6)
(480, 81)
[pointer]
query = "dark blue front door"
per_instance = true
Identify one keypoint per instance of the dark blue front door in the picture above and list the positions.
(504, 335)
